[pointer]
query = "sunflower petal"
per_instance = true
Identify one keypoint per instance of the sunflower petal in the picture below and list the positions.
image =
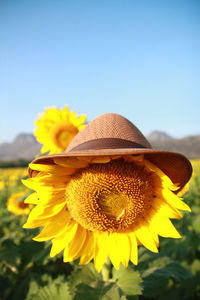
(174, 200)
(163, 226)
(32, 199)
(73, 249)
(134, 248)
(53, 229)
(52, 169)
(70, 162)
(101, 249)
(145, 237)
(87, 252)
(119, 249)
(101, 159)
(61, 241)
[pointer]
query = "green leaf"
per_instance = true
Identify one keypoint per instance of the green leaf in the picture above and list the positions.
(9, 254)
(99, 292)
(54, 290)
(195, 267)
(158, 279)
(154, 285)
(34, 252)
(128, 280)
(84, 274)
(114, 292)
(86, 292)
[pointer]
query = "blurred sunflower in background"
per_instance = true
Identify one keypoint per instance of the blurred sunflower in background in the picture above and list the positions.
(16, 205)
(56, 128)
(105, 195)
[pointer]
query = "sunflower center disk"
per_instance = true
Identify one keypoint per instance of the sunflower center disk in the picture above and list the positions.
(110, 197)
(23, 205)
(62, 134)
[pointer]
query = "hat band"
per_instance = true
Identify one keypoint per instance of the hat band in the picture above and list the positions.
(106, 143)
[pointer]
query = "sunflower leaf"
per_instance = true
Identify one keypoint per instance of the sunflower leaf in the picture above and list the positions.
(57, 289)
(9, 254)
(99, 292)
(128, 280)
(84, 274)
(158, 279)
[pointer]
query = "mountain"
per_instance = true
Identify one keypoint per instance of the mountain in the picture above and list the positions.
(24, 146)
(188, 146)
(156, 136)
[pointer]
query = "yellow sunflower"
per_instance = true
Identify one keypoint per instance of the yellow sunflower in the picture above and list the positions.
(56, 128)
(105, 206)
(16, 205)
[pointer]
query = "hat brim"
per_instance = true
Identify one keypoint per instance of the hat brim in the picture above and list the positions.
(176, 166)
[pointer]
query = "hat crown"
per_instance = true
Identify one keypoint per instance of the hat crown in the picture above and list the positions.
(108, 131)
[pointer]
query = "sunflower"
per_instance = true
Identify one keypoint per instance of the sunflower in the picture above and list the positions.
(102, 206)
(16, 204)
(56, 128)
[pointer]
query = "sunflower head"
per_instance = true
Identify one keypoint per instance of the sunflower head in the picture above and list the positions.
(94, 209)
(56, 128)
(99, 200)
(16, 204)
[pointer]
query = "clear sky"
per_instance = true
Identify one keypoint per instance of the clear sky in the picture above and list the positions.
(140, 59)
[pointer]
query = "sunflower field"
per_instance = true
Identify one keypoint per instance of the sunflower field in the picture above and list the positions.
(28, 272)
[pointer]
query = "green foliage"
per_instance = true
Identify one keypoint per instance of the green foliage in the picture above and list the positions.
(14, 163)
(125, 277)
(27, 272)
(56, 289)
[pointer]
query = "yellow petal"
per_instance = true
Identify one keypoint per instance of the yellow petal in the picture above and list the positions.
(32, 199)
(61, 241)
(70, 162)
(113, 250)
(134, 248)
(174, 200)
(45, 182)
(124, 248)
(33, 223)
(72, 116)
(55, 228)
(88, 248)
(183, 190)
(134, 158)
(73, 249)
(101, 159)
(29, 183)
(101, 249)
(79, 121)
(163, 226)
(44, 147)
(171, 212)
(44, 212)
(52, 169)
(114, 157)
(165, 179)
(87, 159)
(81, 127)
(119, 249)
(145, 237)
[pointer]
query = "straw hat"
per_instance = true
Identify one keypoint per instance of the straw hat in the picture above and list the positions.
(112, 134)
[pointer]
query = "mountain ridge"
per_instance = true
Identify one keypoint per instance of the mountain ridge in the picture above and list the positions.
(26, 147)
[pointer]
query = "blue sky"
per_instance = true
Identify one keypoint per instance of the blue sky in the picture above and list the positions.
(140, 59)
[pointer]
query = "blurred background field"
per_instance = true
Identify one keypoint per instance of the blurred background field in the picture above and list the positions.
(139, 59)
(27, 271)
